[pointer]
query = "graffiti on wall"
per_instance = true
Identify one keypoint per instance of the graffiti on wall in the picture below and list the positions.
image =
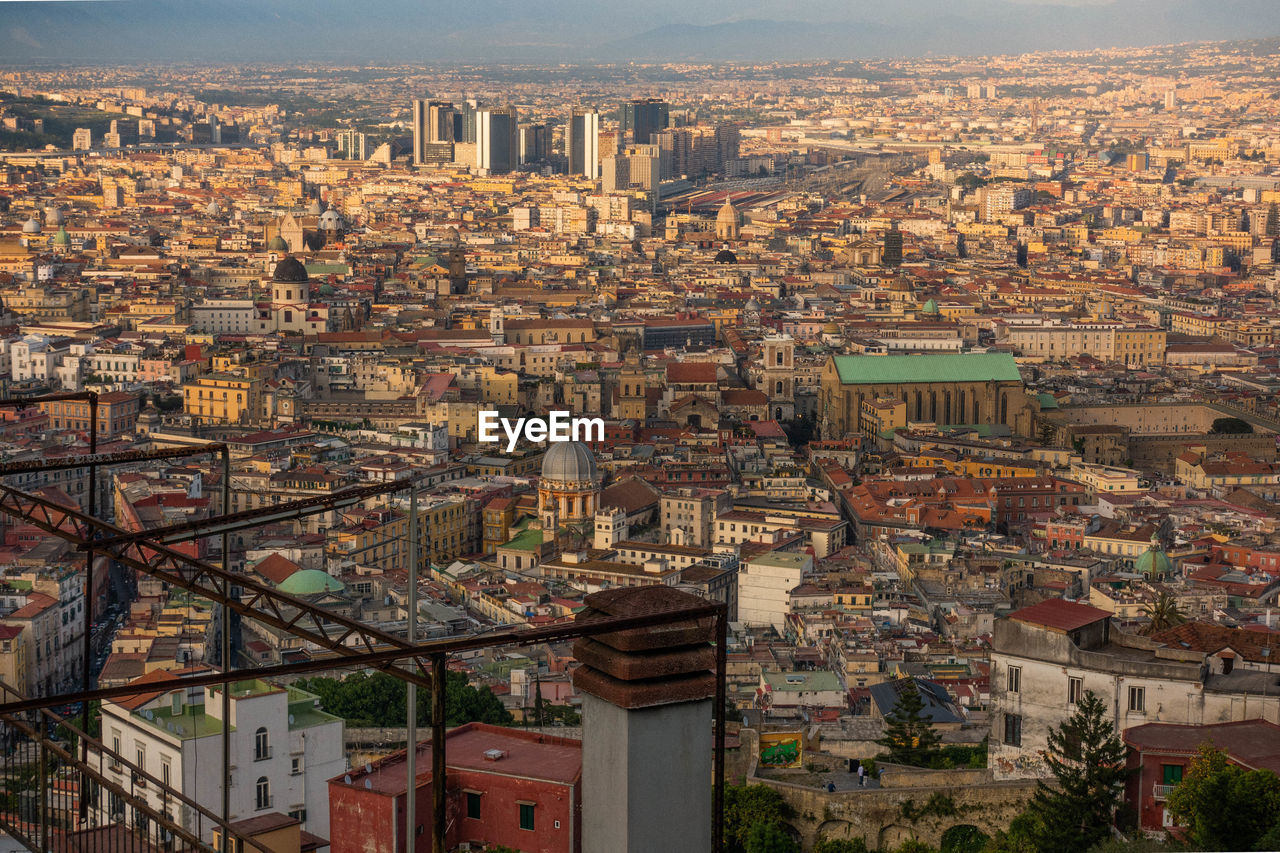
(781, 749)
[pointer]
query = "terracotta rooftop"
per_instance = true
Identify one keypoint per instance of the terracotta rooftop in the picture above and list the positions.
(1058, 614)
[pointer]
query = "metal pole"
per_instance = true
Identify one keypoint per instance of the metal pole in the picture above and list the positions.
(87, 648)
(44, 789)
(411, 706)
(717, 795)
(226, 654)
(440, 672)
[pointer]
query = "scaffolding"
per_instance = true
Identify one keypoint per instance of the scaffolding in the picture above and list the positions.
(78, 805)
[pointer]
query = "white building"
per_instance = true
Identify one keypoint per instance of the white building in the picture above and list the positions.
(223, 316)
(283, 749)
(1046, 656)
(765, 584)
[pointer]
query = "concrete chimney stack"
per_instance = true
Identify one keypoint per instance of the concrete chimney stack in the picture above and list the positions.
(647, 711)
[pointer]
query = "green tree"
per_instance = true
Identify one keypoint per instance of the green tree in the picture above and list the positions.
(378, 699)
(908, 734)
(840, 845)
(1226, 807)
(770, 838)
(746, 806)
(964, 838)
(1163, 612)
(1019, 838)
(1230, 426)
(1087, 760)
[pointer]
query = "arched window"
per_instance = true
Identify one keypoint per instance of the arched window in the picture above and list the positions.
(261, 745)
(262, 793)
(777, 387)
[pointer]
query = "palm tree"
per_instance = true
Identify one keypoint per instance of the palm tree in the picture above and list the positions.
(1163, 612)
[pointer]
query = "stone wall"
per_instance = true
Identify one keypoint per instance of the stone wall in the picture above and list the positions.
(915, 804)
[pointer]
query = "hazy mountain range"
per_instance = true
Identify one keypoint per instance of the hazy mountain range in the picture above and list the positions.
(427, 31)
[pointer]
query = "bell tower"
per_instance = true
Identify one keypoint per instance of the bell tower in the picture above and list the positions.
(779, 376)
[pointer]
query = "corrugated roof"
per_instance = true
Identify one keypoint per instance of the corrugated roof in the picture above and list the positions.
(967, 367)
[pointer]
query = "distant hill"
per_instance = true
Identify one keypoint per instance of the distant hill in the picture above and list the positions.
(427, 31)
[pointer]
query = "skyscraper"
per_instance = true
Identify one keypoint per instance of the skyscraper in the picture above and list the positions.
(467, 120)
(533, 143)
(440, 121)
(582, 143)
(643, 117)
(419, 125)
(496, 133)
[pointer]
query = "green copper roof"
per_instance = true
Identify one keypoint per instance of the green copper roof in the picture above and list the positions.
(309, 582)
(1154, 562)
(969, 367)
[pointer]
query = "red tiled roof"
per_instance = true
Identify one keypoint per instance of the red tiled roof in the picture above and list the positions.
(1059, 614)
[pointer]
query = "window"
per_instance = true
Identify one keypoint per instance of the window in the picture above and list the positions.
(262, 793)
(526, 816)
(165, 772)
(299, 815)
(1013, 680)
(1172, 774)
(1013, 729)
(1075, 688)
(1138, 699)
(261, 747)
(473, 806)
(295, 765)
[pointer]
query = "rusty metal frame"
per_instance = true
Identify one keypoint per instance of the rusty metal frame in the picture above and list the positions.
(264, 604)
(231, 522)
(69, 758)
(145, 552)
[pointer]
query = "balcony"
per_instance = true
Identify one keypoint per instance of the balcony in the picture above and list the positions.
(1161, 792)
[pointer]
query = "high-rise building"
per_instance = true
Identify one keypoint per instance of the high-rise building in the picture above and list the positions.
(496, 140)
(419, 125)
(440, 124)
(465, 123)
(533, 142)
(643, 117)
(353, 144)
(582, 143)
(82, 139)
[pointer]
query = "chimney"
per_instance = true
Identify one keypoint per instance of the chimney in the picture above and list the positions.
(647, 696)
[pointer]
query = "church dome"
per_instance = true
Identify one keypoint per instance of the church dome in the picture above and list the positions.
(213, 209)
(62, 238)
(724, 256)
(331, 220)
(278, 244)
(310, 582)
(1154, 562)
(54, 216)
(290, 269)
(728, 215)
(569, 462)
(31, 226)
(316, 208)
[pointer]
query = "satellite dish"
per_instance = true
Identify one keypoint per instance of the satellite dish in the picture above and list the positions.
(291, 719)
(368, 768)
(368, 784)
(346, 780)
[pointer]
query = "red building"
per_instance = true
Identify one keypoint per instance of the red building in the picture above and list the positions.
(1161, 753)
(505, 787)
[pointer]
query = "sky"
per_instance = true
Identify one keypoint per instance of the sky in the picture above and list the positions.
(374, 31)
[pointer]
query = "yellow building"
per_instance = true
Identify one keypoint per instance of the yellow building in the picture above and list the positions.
(223, 399)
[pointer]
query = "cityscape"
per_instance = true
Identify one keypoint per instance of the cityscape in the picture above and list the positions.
(669, 448)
